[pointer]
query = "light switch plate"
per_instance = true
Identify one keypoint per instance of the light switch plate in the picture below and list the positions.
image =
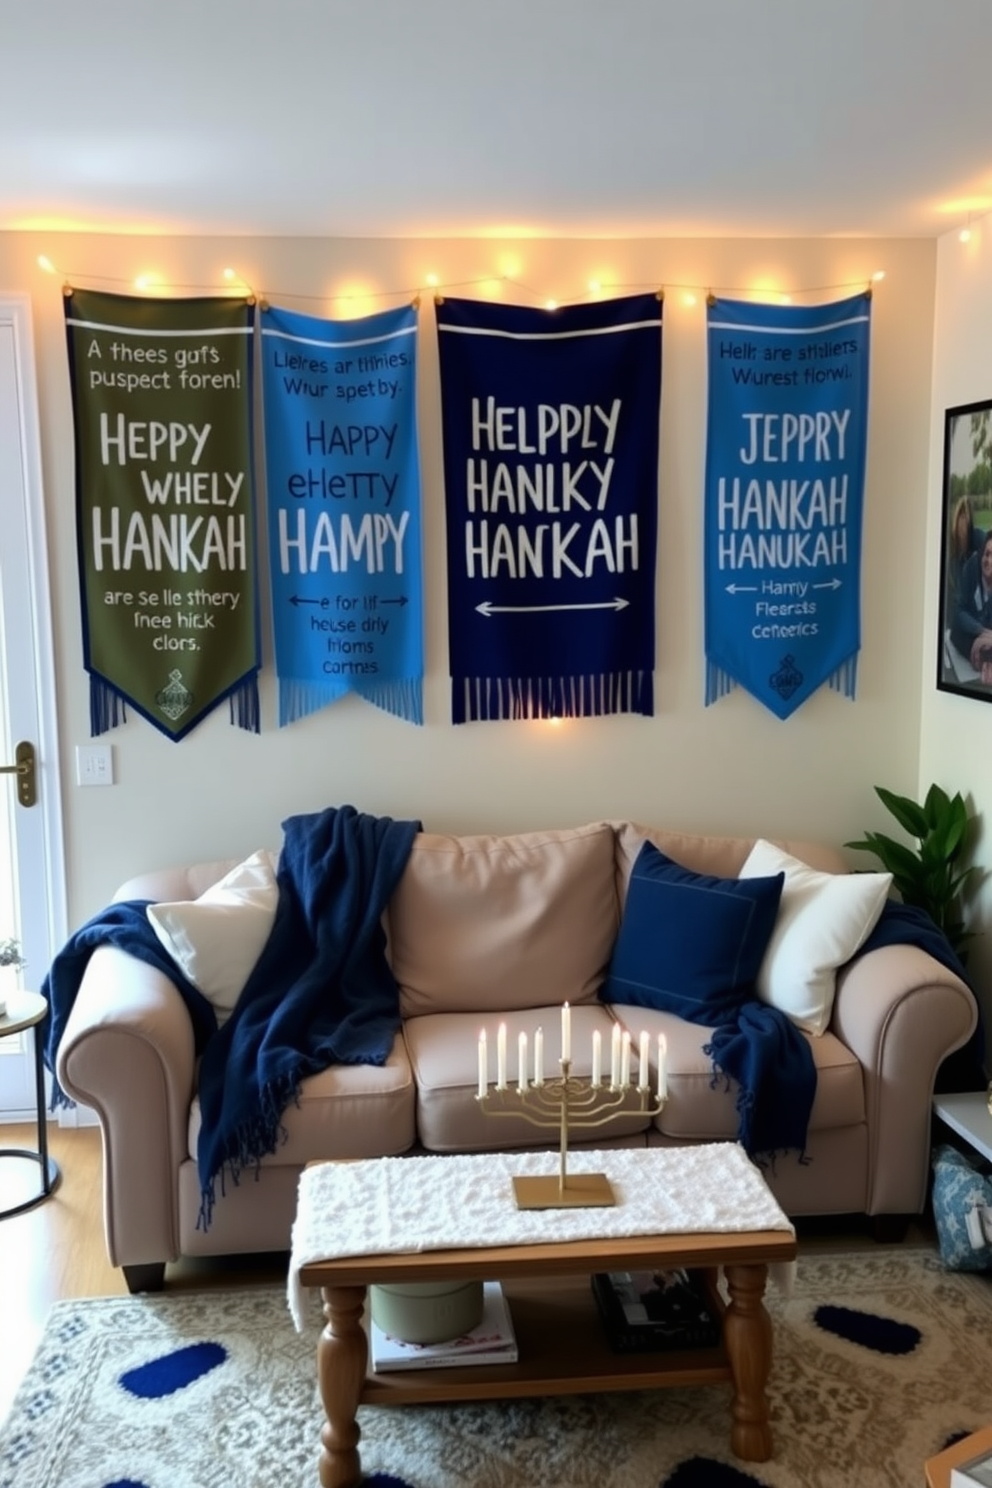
(94, 764)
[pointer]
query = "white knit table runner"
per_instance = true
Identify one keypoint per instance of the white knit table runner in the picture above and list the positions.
(393, 1205)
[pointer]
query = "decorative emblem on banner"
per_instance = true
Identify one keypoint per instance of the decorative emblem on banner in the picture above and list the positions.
(165, 519)
(343, 484)
(550, 429)
(785, 468)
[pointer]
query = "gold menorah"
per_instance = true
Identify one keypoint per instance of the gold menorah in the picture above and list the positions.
(571, 1103)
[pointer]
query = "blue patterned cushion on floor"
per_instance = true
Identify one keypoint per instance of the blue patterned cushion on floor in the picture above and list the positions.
(958, 1189)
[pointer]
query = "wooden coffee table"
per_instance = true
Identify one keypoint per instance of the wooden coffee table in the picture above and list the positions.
(562, 1346)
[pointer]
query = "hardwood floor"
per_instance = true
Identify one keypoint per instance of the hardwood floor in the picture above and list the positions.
(56, 1249)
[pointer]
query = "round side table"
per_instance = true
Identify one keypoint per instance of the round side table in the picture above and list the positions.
(26, 1010)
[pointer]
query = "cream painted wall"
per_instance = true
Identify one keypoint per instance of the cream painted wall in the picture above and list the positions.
(956, 732)
(729, 768)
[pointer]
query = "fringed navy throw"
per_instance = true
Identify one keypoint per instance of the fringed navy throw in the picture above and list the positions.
(321, 992)
(550, 438)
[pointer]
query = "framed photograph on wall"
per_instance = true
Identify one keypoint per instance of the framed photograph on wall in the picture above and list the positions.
(964, 645)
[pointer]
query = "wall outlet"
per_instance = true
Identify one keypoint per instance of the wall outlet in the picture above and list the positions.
(94, 764)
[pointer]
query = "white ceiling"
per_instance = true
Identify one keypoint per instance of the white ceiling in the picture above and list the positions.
(370, 118)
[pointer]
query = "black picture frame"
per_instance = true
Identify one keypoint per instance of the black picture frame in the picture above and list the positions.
(964, 660)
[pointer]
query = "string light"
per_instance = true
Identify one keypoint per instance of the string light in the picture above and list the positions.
(965, 233)
(491, 287)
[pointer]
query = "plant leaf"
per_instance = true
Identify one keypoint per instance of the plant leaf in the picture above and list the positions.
(936, 806)
(910, 816)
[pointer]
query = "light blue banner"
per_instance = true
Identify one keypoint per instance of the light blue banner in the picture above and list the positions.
(785, 467)
(344, 522)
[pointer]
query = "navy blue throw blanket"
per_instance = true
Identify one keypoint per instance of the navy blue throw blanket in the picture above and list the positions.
(763, 1050)
(907, 924)
(321, 992)
(126, 926)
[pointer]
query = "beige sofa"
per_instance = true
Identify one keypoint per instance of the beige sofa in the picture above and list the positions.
(482, 930)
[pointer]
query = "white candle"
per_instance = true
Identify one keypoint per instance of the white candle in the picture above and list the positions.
(662, 1067)
(501, 1057)
(625, 1061)
(566, 1032)
(483, 1066)
(539, 1057)
(522, 1063)
(615, 1058)
(644, 1063)
(597, 1058)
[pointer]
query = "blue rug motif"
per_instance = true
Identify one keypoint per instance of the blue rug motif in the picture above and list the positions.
(884, 1335)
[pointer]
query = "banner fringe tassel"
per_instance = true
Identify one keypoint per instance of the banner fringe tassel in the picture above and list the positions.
(494, 699)
(718, 683)
(107, 708)
(298, 699)
(845, 678)
(245, 710)
(403, 698)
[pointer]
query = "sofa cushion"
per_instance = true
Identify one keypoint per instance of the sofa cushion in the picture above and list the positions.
(216, 939)
(690, 943)
(489, 924)
(702, 1106)
(723, 856)
(823, 920)
(345, 1111)
(444, 1050)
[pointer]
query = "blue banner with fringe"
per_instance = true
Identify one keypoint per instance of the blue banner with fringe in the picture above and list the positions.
(785, 467)
(551, 434)
(343, 486)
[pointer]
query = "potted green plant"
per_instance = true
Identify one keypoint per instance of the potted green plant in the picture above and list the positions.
(933, 875)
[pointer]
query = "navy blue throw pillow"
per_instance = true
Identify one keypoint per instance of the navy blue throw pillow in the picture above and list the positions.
(690, 943)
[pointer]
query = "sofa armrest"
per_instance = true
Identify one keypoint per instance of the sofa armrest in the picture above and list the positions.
(900, 1012)
(128, 1052)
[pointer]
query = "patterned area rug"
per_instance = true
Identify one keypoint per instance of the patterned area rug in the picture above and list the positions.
(881, 1357)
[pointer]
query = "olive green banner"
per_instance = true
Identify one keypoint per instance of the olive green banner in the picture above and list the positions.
(165, 507)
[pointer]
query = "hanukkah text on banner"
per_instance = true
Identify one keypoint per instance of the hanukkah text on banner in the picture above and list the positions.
(564, 480)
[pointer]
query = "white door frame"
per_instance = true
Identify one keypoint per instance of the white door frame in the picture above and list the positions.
(28, 669)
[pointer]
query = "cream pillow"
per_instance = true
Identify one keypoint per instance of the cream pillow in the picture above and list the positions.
(823, 919)
(215, 940)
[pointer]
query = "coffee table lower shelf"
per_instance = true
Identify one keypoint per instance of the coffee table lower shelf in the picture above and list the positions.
(563, 1350)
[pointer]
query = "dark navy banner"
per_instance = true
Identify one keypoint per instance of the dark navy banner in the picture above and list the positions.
(550, 430)
(785, 469)
(343, 480)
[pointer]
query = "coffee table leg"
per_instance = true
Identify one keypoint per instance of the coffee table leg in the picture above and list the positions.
(747, 1334)
(342, 1363)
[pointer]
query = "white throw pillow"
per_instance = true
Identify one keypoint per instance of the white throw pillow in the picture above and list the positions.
(823, 919)
(215, 940)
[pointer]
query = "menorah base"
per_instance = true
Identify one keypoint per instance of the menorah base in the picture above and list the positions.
(576, 1191)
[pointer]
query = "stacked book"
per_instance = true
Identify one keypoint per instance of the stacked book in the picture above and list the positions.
(491, 1342)
(655, 1310)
